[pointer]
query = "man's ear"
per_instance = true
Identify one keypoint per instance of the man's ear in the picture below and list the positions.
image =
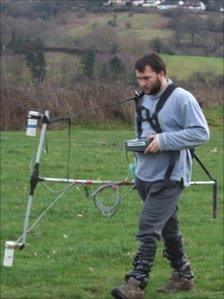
(161, 74)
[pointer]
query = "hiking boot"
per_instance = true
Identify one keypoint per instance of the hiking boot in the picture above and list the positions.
(177, 283)
(130, 290)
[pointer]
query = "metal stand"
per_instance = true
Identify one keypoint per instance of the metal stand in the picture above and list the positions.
(34, 177)
(214, 194)
(214, 199)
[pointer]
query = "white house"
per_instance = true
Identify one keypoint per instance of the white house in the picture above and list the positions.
(152, 3)
(194, 5)
(138, 2)
(118, 2)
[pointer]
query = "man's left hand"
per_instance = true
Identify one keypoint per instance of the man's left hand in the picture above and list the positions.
(153, 147)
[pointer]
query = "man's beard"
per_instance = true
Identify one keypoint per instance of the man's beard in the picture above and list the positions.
(154, 89)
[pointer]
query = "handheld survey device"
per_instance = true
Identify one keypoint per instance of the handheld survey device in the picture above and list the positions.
(136, 144)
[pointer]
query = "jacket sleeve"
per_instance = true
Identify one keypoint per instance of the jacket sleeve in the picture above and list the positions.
(194, 130)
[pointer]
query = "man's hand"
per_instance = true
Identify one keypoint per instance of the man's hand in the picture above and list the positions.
(153, 147)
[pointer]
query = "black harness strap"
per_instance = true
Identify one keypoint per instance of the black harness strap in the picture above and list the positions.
(172, 161)
(164, 96)
(173, 154)
(153, 120)
(143, 114)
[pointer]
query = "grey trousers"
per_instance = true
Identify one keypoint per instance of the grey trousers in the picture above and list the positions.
(158, 218)
(159, 213)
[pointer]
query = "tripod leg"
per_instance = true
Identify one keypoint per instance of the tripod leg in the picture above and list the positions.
(27, 218)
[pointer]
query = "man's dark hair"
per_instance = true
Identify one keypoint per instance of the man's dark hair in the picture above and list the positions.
(153, 60)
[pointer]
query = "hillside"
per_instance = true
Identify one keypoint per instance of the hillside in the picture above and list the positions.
(73, 55)
(143, 26)
(92, 31)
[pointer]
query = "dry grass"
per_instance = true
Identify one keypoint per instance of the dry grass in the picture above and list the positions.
(62, 102)
(71, 102)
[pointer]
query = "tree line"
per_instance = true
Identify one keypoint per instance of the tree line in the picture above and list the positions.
(190, 35)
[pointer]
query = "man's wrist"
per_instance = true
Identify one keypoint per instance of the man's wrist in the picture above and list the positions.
(161, 139)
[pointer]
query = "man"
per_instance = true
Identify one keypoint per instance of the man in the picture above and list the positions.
(162, 171)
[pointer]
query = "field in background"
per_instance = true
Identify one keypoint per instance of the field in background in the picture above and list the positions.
(182, 67)
(63, 67)
(75, 252)
(67, 28)
(144, 26)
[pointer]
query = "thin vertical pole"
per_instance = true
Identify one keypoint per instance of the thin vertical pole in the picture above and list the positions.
(214, 199)
(35, 176)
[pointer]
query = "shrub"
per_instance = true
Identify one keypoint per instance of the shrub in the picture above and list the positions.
(94, 24)
(82, 13)
(163, 46)
(215, 25)
(207, 79)
(87, 64)
(128, 25)
(173, 13)
(18, 100)
(116, 66)
(112, 23)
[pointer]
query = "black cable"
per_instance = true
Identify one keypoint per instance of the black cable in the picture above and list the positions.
(204, 168)
(135, 98)
(105, 106)
(67, 120)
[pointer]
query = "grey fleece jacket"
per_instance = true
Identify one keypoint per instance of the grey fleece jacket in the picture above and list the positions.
(183, 127)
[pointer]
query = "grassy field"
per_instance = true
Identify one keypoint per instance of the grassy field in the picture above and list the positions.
(75, 252)
(63, 67)
(182, 67)
(178, 66)
(145, 26)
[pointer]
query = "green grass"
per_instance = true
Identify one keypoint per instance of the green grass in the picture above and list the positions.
(68, 256)
(144, 26)
(214, 116)
(182, 67)
(62, 67)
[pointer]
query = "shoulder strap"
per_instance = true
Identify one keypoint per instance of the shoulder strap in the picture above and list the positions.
(138, 96)
(153, 120)
(164, 96)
